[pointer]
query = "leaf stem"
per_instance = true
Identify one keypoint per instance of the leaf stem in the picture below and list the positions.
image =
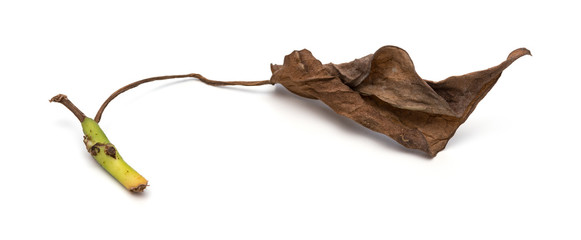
(191, 75)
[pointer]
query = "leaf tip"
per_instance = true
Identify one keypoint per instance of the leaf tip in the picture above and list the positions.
(518, 53)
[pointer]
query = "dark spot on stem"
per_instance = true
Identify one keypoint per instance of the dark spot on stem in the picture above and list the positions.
(110, 151)
(94, 150)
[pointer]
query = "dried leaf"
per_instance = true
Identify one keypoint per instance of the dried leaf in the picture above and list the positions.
(393, 79)
(384, 93)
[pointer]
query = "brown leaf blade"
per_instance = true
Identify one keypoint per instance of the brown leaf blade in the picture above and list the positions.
(384, 93)
(304, 75)
(394, 80)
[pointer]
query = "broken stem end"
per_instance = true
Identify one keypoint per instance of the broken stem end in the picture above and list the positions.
(61, 98)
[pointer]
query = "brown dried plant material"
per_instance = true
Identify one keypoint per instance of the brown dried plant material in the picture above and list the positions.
(384, 93)
(380, 91)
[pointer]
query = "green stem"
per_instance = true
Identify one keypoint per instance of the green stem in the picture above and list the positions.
(103, 151)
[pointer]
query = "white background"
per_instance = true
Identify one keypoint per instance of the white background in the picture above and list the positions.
(262, 163)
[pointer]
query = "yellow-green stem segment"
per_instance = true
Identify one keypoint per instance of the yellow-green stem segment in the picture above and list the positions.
(104, 151)
(108, 157)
